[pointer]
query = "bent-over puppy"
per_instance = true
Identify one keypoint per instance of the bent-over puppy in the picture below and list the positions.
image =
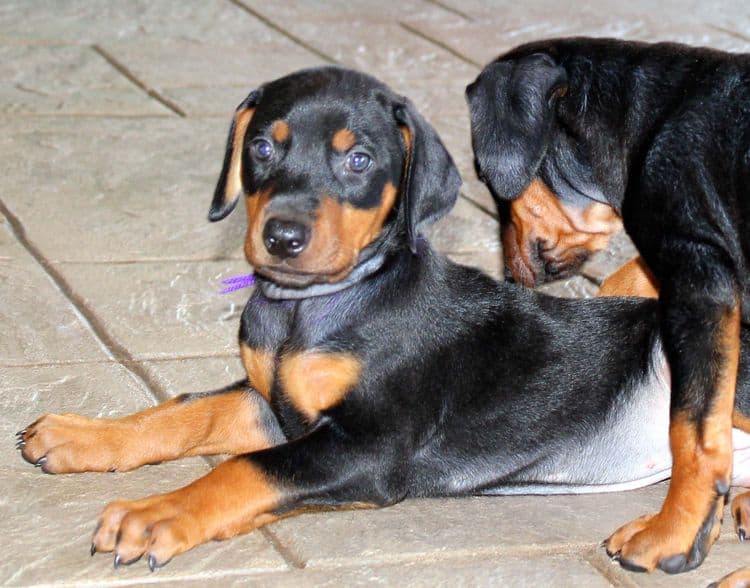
(574, 136)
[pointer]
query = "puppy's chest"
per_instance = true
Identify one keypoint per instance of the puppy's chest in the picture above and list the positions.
(291, 371)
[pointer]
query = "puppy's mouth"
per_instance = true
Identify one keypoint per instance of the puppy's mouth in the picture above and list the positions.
(536, 266)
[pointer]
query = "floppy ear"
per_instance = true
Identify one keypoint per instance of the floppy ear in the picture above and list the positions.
(229, 187)
(430, 183)
(512, 111)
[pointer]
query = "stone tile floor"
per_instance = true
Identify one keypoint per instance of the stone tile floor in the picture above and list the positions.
(114, 116)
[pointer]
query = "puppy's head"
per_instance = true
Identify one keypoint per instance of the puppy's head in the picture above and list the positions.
(331, 163)
(545, 236)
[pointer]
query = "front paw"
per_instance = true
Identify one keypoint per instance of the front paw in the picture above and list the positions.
(68, 443)
(156, 527)
(655, 541)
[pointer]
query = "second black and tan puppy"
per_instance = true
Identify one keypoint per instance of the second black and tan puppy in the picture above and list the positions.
(574, 136)
(376, 368)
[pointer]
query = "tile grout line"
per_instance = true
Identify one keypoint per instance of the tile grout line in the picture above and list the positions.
(450, 9)
(424, 36)
(273, 26)
(151, 92)
(108, 344)
(608, 571)
(294, 562)
(730, 32)
(479, 206)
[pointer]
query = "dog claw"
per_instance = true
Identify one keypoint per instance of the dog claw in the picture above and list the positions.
(741, 534)
(21, 433)
(152, 564)
(117, 560)
(20, 444)
(41, 461)
(93, 549)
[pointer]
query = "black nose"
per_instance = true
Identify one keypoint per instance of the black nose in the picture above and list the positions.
(285, 238)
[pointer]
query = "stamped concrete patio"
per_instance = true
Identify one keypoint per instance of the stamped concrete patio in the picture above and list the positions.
(114, 117)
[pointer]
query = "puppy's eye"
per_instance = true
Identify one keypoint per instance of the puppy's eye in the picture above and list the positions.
(358, 162)
(262, 149)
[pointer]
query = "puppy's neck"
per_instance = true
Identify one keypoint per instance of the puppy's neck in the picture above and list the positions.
(359, 273)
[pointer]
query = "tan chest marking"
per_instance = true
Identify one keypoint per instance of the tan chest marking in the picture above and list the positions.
(259, 365)
(314, 381)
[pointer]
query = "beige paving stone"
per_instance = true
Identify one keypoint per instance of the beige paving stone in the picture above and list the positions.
(604, 263)
(489, 35)
(574, 287)
(94, 21)
(490, 262)
(67, 80)
(462, 527)
(286, 14)
(663, 13)
(493, 572)
(216, 100)
(163, 310)
(464, 229)
(47, 521)
(39, 325)
(195, 374)
(119, 190)
(177, 63)
(429, 75)
(454, 130)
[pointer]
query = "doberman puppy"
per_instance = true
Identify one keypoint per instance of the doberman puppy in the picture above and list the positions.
(574, 137)
(377, 369)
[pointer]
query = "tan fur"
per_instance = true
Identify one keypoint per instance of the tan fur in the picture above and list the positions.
(233, 188)
(343, 140)
(314, 381)
(566, 232)
(220, 423)
(259, 365)
(280, 131)
(632, 279)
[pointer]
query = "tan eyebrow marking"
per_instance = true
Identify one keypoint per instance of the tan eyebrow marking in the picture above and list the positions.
(343, 140)
(280, 131)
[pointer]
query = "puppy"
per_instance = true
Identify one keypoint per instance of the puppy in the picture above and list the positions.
(576, 136)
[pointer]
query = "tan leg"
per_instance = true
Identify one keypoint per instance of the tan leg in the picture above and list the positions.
(229, 421)
(632, 279)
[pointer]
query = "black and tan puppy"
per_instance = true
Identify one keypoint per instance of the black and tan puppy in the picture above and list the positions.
(574, 136)
(376, 368)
